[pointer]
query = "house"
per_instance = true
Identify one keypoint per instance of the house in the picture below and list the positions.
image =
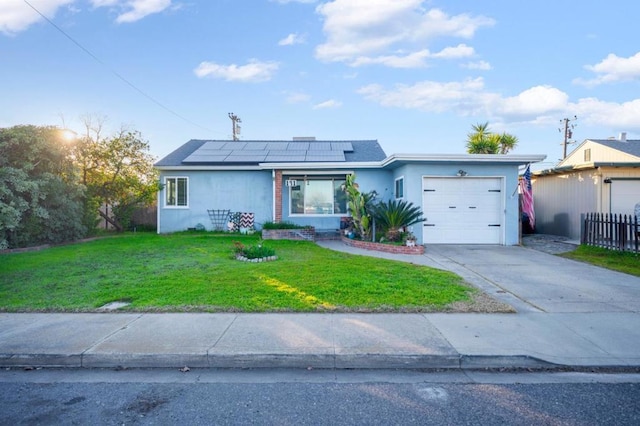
(465, 198)
(600, 175)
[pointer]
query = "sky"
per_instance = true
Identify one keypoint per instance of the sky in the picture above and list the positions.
(414, 75)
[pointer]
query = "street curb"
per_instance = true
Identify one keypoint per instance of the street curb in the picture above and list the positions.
(266, 361)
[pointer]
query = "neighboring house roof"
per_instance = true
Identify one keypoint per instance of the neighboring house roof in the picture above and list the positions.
(225, 153)
(601, 153)
(629, 146)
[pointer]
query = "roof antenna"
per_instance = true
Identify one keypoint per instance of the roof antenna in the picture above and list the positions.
(236, 129)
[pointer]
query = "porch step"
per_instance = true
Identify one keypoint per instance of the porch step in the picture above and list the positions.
(327, 234)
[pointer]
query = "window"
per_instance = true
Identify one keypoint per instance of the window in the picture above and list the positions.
(318, 196)
(176, 189)
(587, 154)
(399, 190)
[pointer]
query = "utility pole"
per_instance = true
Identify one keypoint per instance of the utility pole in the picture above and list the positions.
(236, 129)
(568, 133)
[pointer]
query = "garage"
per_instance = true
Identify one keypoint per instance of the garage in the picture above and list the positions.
(463, 210)
(625, 194)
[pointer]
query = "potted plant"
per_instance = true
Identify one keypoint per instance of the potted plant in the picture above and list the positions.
(410, 240)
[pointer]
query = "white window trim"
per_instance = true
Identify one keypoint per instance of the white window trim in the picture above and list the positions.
(167, 206)
(395, 185)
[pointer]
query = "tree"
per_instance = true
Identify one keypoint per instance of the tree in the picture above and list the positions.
(117, 171)
(394, 215)
(360, 206)
(40, 200)
(482, 141)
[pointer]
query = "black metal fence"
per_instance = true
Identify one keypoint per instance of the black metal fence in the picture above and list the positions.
(611, 231)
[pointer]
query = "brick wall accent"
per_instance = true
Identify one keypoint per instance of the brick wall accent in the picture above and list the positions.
(387, 248)
(307, 234)
(278, 183)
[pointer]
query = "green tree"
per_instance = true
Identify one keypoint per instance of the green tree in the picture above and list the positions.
(394, 215)
(40, 200)
(483, 141)
(360, 206)
(118, 173)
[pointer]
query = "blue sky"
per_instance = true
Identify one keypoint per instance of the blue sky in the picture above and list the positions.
(415, 75)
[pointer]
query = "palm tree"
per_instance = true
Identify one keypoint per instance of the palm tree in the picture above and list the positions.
(394, 215)
(482, 141)
(507, 142)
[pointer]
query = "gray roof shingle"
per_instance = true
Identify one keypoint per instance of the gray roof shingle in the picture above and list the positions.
(630, 146)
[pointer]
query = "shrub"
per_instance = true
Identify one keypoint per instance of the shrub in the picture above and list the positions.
(394, 215)
(282, 225)
(257, 251)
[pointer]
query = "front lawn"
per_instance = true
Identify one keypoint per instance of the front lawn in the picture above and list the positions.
(197, 272)
(626, 262)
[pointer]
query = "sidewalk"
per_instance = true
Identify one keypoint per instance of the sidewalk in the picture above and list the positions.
(569, 314)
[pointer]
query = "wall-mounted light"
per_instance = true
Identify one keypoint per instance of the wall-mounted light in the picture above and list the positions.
(461, 173)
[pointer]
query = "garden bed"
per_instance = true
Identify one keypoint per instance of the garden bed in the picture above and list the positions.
(387, 248)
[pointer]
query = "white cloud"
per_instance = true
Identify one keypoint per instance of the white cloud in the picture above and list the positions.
(539, 105)
(331, 103)
(459, 51)
(429, 96)
(412, 60)
(533, 102)
(138, 9)
(357, 29)
(16, 15)
(415, 59)
(613, 69)
(255, 71)
(625, 115)
(478, 65)
(292, 39)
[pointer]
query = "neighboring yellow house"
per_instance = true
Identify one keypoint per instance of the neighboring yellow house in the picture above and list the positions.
(600, 175)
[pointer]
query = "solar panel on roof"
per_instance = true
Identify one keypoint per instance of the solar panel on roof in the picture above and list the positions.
(205, 158)
(234, 145)
(319, 146)
(277, 158)
(287, 153)
(279, 146)
(342, 146)
(255, 158)
(212, 145)
(255, 146)
(298, 146)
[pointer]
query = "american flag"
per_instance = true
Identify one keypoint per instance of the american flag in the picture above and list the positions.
(527, 196)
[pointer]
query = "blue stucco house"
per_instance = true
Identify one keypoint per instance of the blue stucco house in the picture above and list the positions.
(466, 198)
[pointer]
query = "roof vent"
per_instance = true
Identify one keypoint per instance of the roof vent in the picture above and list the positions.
(623, 136)
(304, 138)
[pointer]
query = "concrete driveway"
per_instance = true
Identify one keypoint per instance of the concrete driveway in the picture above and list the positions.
(532, 280)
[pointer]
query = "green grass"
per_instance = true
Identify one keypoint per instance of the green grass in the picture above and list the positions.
(626, 262)
(198, 272)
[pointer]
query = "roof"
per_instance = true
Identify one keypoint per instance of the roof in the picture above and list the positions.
(630, 146)
(253, 153)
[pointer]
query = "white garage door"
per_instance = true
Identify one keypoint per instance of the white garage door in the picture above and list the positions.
(462, 210)
(624, 195)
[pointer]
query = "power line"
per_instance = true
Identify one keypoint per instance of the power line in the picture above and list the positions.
(114, 72)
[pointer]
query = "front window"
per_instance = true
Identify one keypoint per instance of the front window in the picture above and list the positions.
(587, 154)
(318, 196)
(176, 189)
